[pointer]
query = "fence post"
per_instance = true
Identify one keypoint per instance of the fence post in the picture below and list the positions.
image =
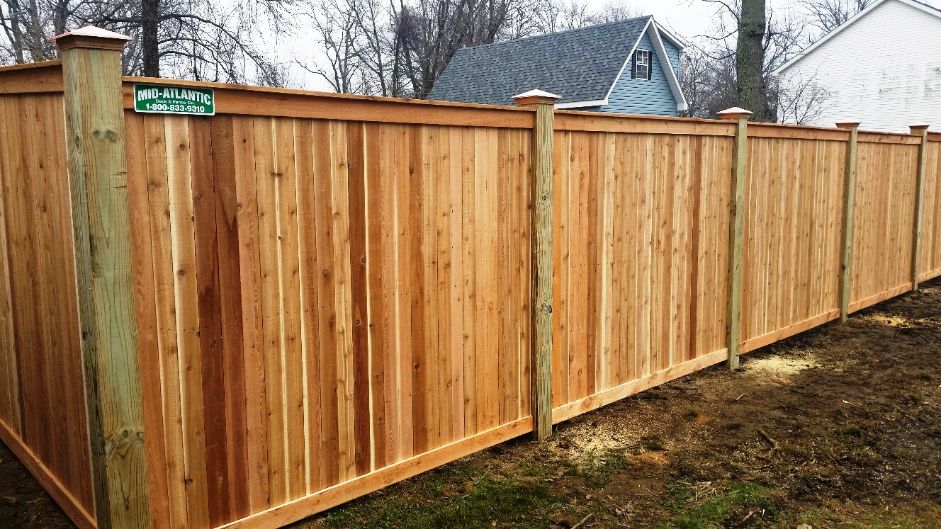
(849, 201)
(541, 310)
(922, 132)
(94, 120)
(736, 228)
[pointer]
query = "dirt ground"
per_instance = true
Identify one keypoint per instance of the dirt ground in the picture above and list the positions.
(838, 427)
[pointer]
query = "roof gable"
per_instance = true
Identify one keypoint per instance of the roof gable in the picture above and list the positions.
(580, 65)
(925, 8)
(653, 31)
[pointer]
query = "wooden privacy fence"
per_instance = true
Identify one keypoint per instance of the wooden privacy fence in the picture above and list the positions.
(242, 319)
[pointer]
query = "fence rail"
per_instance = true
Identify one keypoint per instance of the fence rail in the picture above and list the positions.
(333, 293)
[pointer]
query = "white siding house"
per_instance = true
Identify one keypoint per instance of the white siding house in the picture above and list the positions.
(881, 67)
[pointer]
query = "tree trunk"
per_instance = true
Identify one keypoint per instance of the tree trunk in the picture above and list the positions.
(750, 58)
(150, 23)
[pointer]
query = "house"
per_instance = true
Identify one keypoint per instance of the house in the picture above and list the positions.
(881, 67)
(631, 66)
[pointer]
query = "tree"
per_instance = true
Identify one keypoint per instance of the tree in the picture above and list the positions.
(199, 39)
(27, 26)
(708, 83)
(828, 14)
(802, 100)
(783, 37)
(340, 34)
(751, 87)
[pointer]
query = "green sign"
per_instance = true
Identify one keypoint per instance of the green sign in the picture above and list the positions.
(174, 100)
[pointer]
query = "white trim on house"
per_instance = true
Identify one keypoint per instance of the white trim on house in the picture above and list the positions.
(680, 43)
(855, 18)
(582, 104)
(630, 55)
(681, 104)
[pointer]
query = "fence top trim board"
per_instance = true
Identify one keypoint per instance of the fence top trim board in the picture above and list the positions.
(289, 102)
(34, 78)
(796, 132)
(888, 137)
(30, 66)
(582, 121)
(46, 77)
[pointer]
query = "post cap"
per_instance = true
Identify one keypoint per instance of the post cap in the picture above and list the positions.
(91, 37)
(847, 124)
(919, 128)
(734, 114)
(535, 97)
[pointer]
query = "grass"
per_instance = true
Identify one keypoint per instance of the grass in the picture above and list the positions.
(739, 501)
(598, 468)
(487, 499)
(922, 515)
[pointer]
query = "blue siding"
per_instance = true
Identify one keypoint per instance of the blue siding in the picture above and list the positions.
(640, 96)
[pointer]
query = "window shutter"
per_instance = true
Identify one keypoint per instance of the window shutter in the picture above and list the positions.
(649, 64)
(634, 65)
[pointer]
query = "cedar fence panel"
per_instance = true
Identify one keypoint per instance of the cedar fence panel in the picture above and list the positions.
(640, 236)
(930, 262)
(792, 242)
(42, 396)
(883, 221)
(333, 293)
(323, 299)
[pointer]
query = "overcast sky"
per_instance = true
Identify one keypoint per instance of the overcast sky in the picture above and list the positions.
(687, 18)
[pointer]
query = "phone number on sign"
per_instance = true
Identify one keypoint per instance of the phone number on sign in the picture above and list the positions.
(165, 107)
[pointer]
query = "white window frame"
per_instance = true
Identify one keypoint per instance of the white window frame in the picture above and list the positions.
(646, 64)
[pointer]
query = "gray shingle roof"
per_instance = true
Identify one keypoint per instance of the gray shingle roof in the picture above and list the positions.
(579, 65)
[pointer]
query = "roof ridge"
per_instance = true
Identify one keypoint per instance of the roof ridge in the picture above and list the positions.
(546, 35)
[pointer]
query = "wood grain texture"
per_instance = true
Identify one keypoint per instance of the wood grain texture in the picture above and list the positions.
(740, 175)
(846, 237)
(883, 221)
(793, 246)
(639, 271)
(930, 247)
(42, 397)
(920, 171)
(541, 390)
(311, 300)
(97, 170)
(36, 78)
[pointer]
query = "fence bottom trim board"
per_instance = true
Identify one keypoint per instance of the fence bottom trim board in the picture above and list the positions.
(320, 501)
(927, 276)
(608, 396)
(880, 297)
(49, 482)
(796, 328)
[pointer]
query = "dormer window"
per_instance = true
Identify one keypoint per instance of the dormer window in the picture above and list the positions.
(641, 62)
